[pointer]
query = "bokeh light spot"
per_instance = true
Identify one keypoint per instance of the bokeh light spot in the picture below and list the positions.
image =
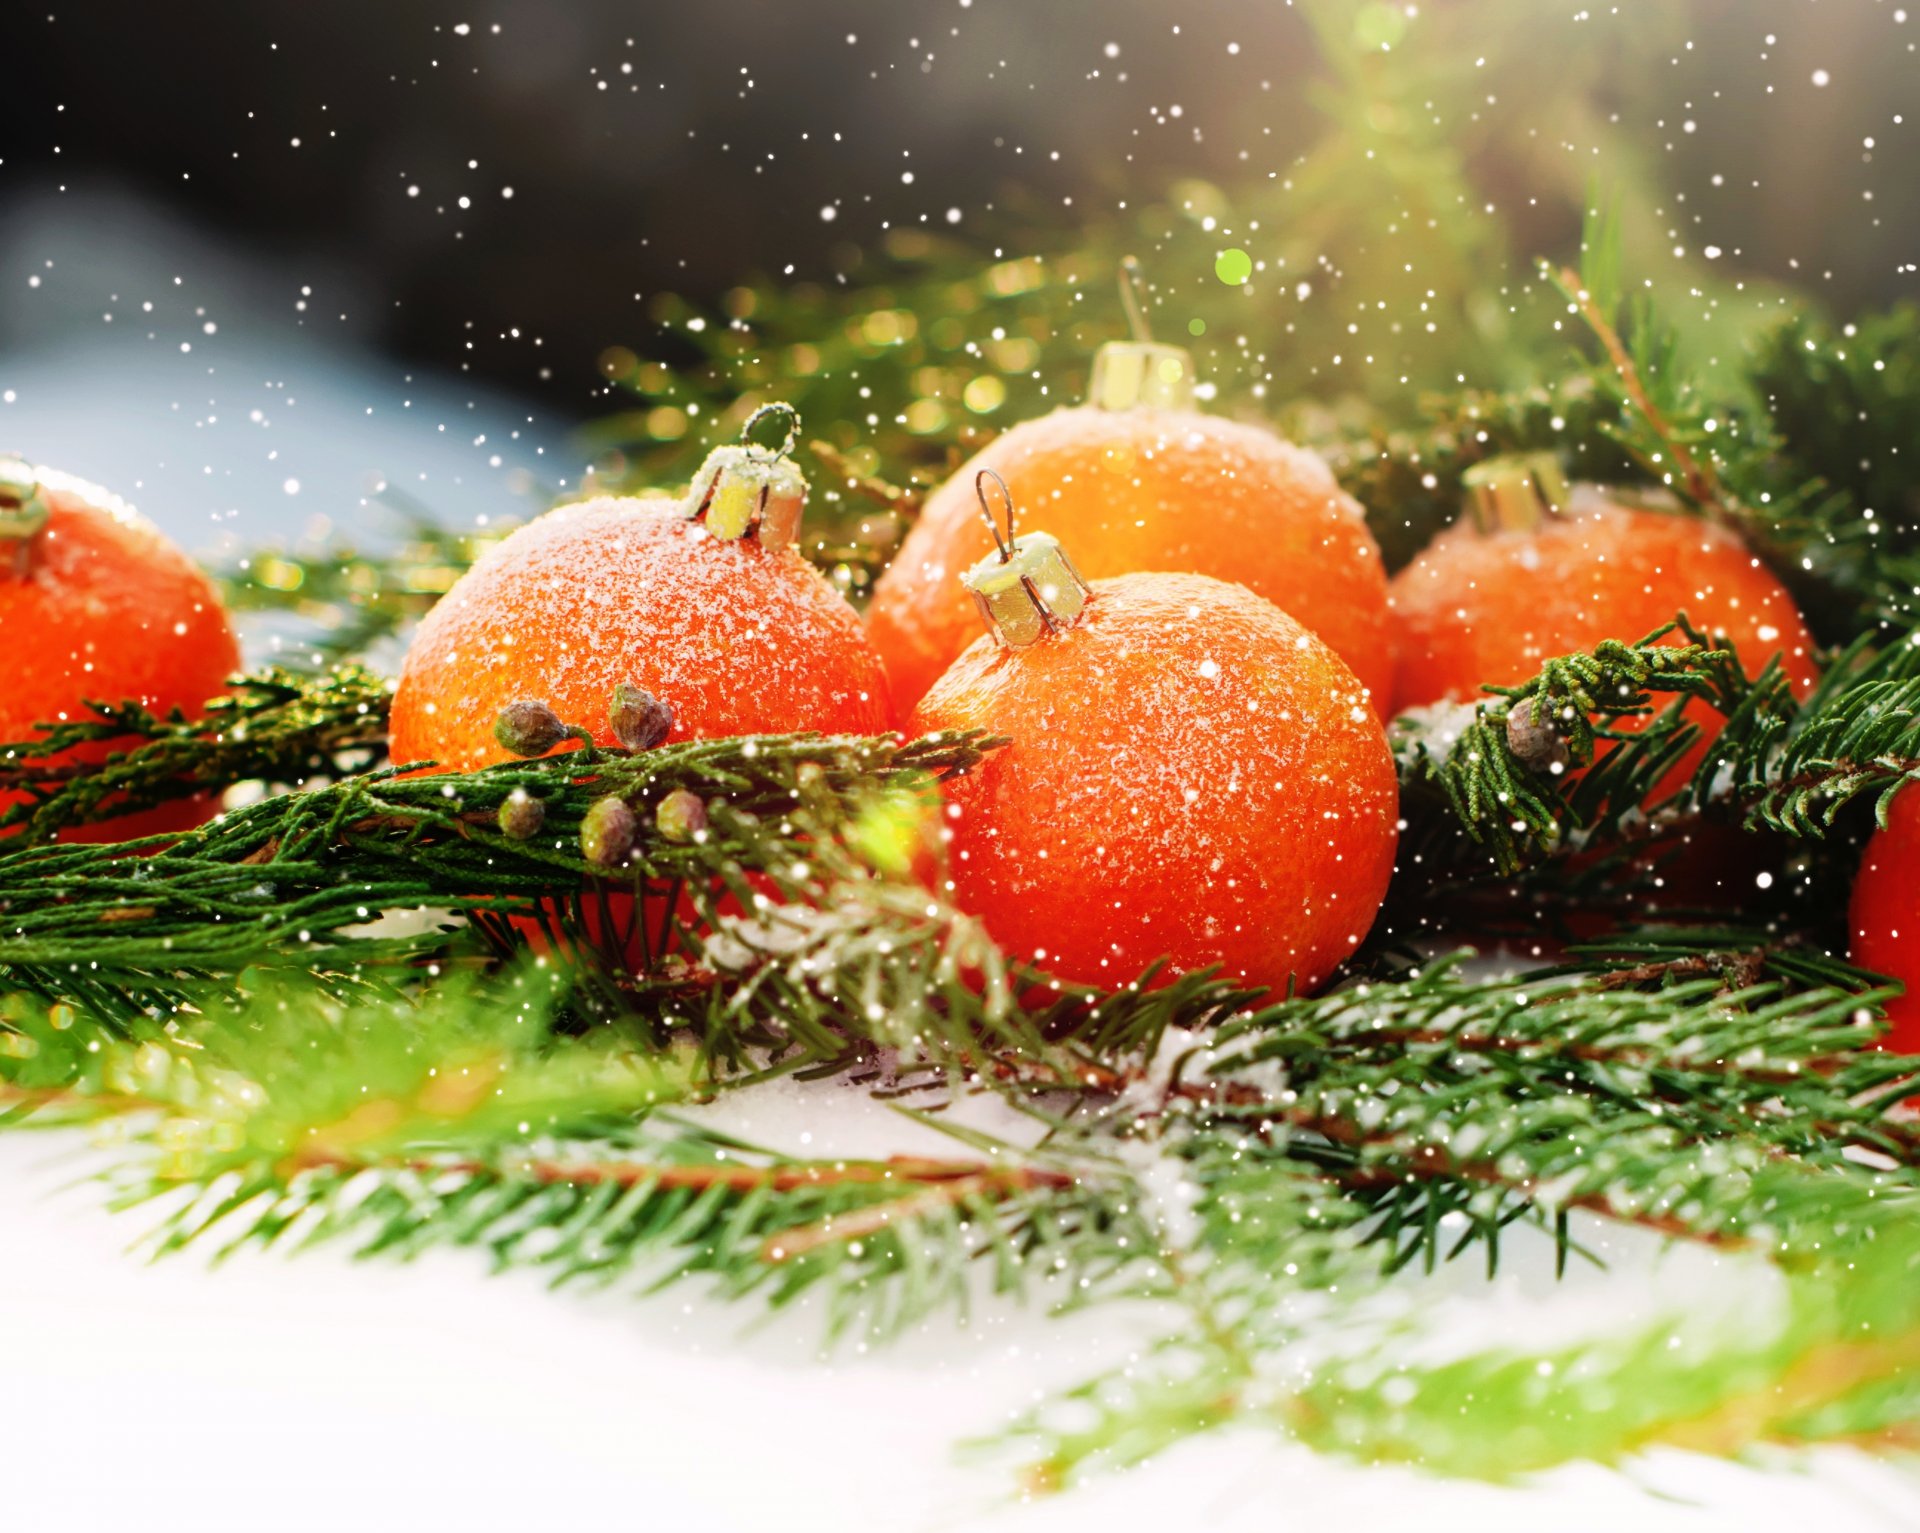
(1233, 267)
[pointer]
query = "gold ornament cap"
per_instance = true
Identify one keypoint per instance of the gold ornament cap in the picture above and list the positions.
(1130, 375)
(24, 507)
(1140, 373)
(751, 491)
(1028, 588)
(1515, 492)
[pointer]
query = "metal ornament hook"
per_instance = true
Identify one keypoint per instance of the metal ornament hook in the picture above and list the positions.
(1007, 544)
(776, 407)
(1027, 588)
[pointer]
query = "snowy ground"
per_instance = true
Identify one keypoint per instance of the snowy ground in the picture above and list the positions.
(313, 1393)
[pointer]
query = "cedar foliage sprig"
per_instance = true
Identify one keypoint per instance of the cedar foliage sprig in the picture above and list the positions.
(274, 727)
(1506, 768)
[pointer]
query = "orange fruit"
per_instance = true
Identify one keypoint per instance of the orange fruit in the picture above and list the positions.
(735, 637)
(1192, 775)
(97, 605)
(1884, 915)
(1146, 489)
(1487, 607)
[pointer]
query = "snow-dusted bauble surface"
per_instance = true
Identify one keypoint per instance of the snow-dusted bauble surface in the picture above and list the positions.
(311, 1393)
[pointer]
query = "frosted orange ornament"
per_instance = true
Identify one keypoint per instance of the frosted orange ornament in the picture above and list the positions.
(1137, 479)
(1540, 568)
(702, 602)
(97, 605)
(1192, 775)
(1884, 915)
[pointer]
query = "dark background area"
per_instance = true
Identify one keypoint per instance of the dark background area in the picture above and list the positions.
(365, 148)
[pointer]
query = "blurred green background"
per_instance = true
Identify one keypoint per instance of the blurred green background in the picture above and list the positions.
(905, 216)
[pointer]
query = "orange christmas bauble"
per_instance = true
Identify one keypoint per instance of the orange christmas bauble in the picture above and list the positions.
(1884, 915)
(97, 605)
(1147, 488)
(1191, 775)
(735, 636)
(1483, 607)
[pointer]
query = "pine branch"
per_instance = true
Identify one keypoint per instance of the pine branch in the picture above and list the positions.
(1433, 1115)
(1832, 404)
(1664, 451)
(1538, 772)
(1521, 808)
(282, 1115)
(1281, 1167)
(1845, 408)
(1857, 735)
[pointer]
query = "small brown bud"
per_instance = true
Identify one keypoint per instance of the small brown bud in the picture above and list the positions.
(681, 816)
(528, 728)
(640, 720)
(1535, 742)
(522, 815)
(607, 833)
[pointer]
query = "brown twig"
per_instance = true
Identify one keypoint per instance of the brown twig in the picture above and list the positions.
(98, 1103)
(1702, 484)
(939, 1184)
(672, 1175)
(987, 1181)
(1823, 1375)
(899, 499)
(1434, 1162)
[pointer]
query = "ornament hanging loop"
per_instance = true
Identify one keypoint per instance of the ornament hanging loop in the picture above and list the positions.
(751, 491)
(778, 409)
(1132, 286)
(1027, 588)
(1007, 544)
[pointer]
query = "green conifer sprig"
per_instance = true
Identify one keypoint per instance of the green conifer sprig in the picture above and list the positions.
(274, 727)
(1302, 1153)
(289, 878)
(1440, 1111)
(392, 1124)
(1857, 735)
(1778, 762)
(1520, 807)
(1841, 1355)
(338, 602)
